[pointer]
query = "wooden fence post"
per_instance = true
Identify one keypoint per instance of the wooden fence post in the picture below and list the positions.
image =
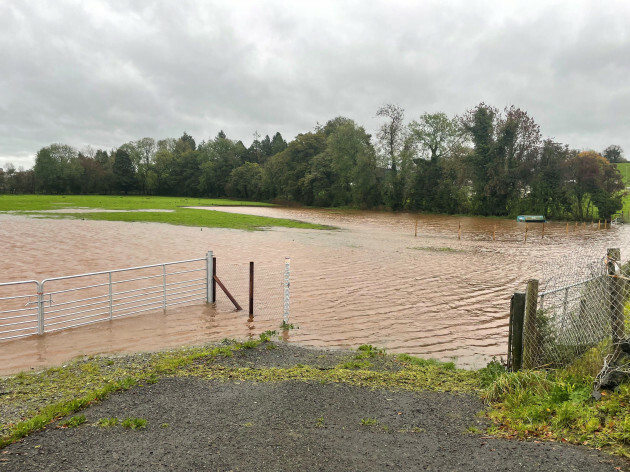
(615, 285)
(515, 339)
(214, 282)
(251, 288)
(531, 335)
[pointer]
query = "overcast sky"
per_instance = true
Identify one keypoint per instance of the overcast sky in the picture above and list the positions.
(102, 73)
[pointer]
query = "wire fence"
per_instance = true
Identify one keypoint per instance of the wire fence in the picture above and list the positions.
(578, 316)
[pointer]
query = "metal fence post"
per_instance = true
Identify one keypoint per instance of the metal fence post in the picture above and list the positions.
(287, 284)
(111, 297)
(40, 308)
(164, 288)
(209, 278)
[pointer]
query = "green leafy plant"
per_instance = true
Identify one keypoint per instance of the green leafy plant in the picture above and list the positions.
(267, 336)
(108, 422)
(284, 326)
(367, 350)
(134, 423)
(74, 421)
(355, 365)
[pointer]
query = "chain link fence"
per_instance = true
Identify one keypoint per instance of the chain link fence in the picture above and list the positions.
(576, 317)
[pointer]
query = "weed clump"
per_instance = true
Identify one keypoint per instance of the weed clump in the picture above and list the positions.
(134, 423)
(74, 421)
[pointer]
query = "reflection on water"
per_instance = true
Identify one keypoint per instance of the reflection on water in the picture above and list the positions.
(442, 294)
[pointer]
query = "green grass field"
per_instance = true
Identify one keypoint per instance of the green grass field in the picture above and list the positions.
(624, 168)
(36, 204)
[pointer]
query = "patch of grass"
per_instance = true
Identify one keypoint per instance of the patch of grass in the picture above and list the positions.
(267, 336)
(435, 249)
(176, 216)
(134, 423)
(74, 421)
(367, 350)
(406, 359)
(369, 421)
(624, 169)
(111, 202)
(107, 422)
(355, 365)
(320, 422)
(284, 326)
(557, 405)
(152, 378)
(251, 344)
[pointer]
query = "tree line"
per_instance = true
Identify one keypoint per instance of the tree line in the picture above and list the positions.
(485, 162)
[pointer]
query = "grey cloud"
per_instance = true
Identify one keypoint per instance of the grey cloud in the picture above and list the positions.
(103, 73)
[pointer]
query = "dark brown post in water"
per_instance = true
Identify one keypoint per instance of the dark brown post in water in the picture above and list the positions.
(531, 336)
(526, 228)
(214, 282)
(515, 338)
(251, 288)
(616, 296)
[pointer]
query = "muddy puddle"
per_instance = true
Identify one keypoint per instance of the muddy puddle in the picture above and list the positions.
(443, 293)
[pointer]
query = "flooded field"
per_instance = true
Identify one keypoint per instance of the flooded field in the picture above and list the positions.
(443, 293)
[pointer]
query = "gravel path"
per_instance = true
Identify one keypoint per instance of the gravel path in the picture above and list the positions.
(198, 424)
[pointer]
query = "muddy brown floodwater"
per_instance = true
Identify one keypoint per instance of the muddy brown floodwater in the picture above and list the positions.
(369, 282)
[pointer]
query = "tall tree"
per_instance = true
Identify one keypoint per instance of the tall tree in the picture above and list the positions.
(391, 139)
(124, 172)
(57, 169)
(614, 153)
(278, 144)
(505, 149)
(146, 148)
(594, 180)
(433, 138)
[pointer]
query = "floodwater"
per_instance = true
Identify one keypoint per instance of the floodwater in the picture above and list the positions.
(443, 293)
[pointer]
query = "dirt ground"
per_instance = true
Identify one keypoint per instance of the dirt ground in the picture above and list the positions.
(198, 424)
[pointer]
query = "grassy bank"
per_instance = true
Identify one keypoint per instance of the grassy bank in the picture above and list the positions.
(127, 207)
(558, 406)
(547, 406)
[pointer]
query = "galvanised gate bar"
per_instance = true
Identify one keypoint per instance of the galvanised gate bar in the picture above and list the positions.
(31, 307)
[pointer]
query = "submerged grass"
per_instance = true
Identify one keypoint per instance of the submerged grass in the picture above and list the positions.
(110, 202)
(177, 215)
